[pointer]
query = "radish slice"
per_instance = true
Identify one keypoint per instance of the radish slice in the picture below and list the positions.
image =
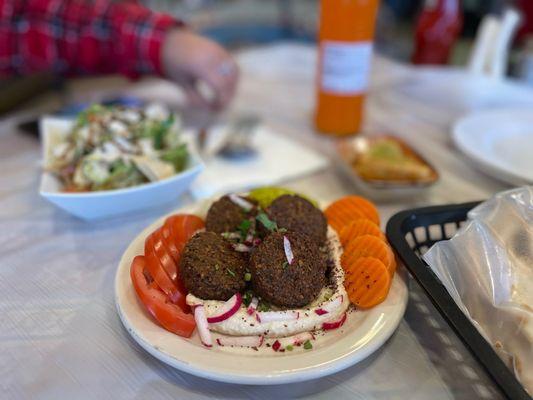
(296, 340)
(272, 316)
(241, 248)
(335, 324)
(203, 326)
(330, 306)
(229, 308)
(288, 250)
(241, 341)
(253, 306)
(242, 203)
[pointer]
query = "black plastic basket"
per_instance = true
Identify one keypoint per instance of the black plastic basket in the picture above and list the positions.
(412, 232)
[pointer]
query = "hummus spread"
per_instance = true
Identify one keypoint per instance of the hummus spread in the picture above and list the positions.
(243, 324)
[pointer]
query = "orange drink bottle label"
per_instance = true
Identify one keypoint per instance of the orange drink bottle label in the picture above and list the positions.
(345, 49)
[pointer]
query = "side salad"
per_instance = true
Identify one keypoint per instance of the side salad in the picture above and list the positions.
(113, 147)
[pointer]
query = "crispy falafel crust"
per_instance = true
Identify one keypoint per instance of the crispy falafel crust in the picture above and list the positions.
(210, 268)
(297, 214)
(286, 285)
(226, 216)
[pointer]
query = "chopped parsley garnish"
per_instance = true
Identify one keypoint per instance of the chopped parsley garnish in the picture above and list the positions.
(230, 272)
(308, 345)
(285, 265)
(262, 306)
(247, 298)
(225, 235)
(267, 222)
(289, 347)
(282, 230)
(217, 267)
(247, 277)
(244, 227)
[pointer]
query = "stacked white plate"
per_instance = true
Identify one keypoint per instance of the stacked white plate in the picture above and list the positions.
(500, 142)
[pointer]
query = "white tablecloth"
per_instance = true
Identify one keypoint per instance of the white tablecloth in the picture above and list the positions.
(60, 336)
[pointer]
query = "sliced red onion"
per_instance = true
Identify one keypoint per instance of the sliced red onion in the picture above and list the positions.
(203, 326)
(273, 316)
(253, 306)
(288, 250)
(241, 247)
(241, 341)
(242, 203)
(257, 242)
(276, 345)
(301, 338)
(249, 241)
(229, 308)
(330, 306)
(335, 324)
(69, 169)
(296, 340)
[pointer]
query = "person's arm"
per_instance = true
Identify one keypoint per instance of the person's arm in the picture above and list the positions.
(81, 37)
(108, 36)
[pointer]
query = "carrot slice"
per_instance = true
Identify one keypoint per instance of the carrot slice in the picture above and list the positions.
(368, 246)
(357, 228)
(367, 282)
(339, 217)
(366, 206)
(341, 212)
(393, 264)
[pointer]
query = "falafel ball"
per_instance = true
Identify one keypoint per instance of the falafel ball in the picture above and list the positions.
(285, 285)
(210, 268)
(297, 214)
(224, 215)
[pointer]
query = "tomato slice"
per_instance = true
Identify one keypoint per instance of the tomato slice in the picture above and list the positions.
(178, 229)
(160, 276)
(170, 266)
(169, 315)
(160, 249)
(166, 235)
(182, 227)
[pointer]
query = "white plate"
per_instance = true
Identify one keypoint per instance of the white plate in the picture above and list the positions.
(362, 334)
(107, 203)
(500, 142)
(443, 94)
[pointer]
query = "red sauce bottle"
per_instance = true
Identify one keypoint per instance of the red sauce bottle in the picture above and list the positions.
(437, 29)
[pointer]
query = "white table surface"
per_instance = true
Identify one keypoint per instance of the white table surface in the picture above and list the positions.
(60, 336)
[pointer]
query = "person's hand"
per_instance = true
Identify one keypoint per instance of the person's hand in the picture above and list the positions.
(189, 59)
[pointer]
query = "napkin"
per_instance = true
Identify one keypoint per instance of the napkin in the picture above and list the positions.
(278, 159)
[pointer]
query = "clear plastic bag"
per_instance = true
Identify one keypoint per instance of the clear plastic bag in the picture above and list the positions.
(487, 267)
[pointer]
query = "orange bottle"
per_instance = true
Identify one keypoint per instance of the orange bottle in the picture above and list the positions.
(345, 47)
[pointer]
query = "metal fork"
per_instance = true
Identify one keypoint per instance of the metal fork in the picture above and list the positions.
(238, 144)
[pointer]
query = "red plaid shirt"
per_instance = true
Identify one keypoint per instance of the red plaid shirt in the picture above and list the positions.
(80, 37)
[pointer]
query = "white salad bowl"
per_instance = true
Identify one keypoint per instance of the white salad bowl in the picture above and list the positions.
(108, 203)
